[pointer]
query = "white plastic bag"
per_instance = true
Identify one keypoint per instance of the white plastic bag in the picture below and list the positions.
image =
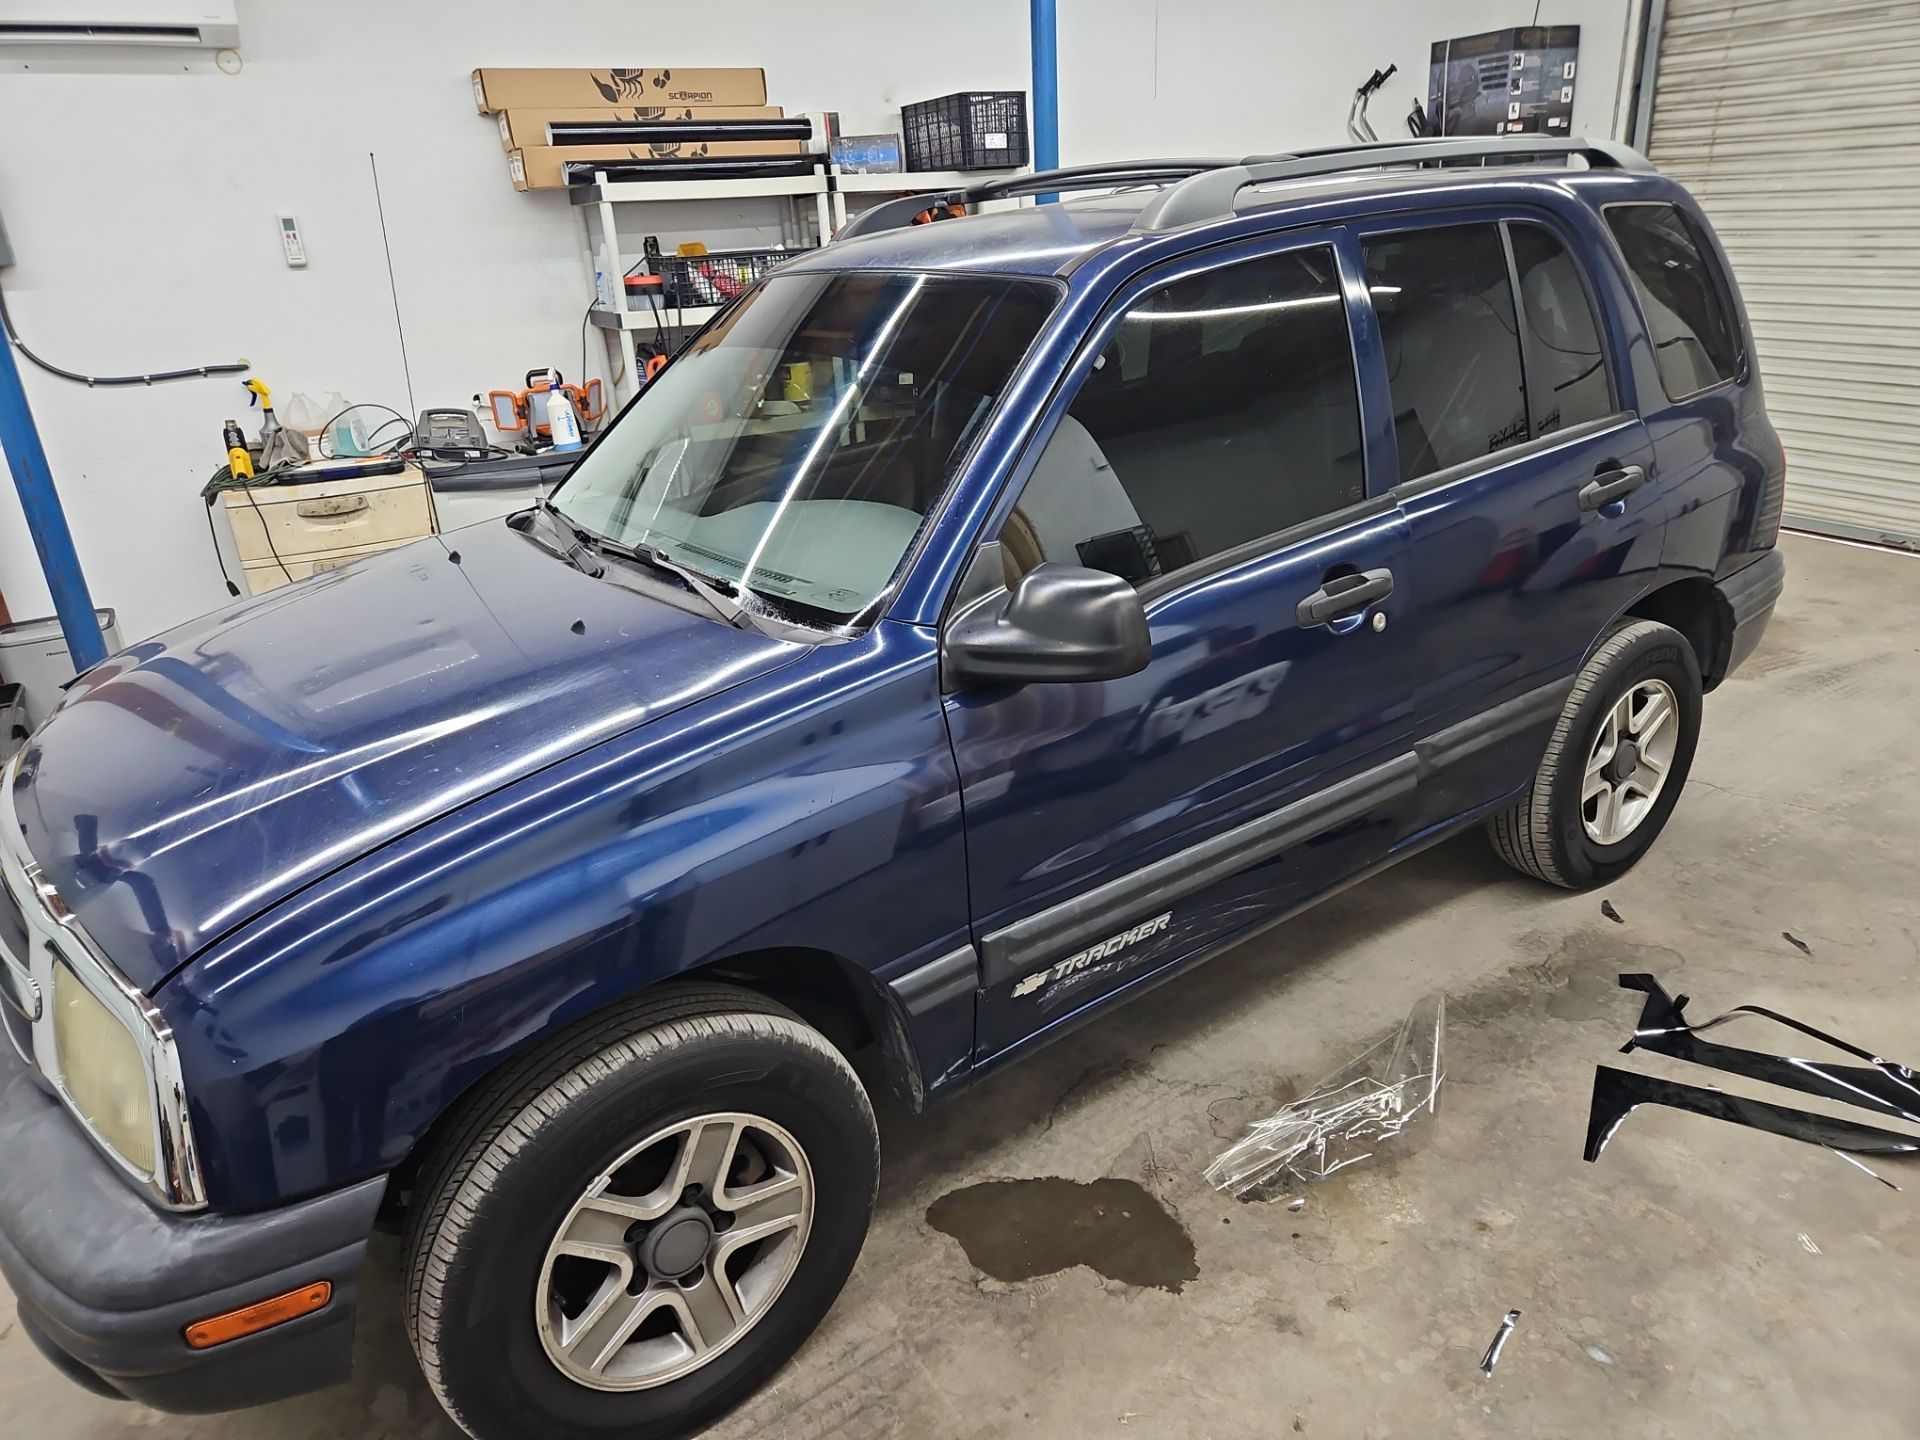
(1346, 1117)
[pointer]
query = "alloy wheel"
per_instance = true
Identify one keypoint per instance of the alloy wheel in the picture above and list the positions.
(1628, 764)
(674, 1252)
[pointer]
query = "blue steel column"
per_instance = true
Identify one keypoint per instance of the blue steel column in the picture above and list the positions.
(46, 522)
(1046, 91)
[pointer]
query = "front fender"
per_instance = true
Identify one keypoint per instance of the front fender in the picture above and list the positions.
(816, 808)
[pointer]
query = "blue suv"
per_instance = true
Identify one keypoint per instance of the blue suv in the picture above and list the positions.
(976, 625)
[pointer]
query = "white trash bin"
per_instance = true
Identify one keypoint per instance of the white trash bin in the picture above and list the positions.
(33, 655)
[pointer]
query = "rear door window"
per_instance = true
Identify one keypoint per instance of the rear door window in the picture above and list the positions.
(1445, 302)
(1566, 367)
(1682, 294)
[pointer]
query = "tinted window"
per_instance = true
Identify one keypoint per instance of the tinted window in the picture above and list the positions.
(792, 451)
(1223, 409)
(1445, 303)
(1694, 342)
(1566, 369)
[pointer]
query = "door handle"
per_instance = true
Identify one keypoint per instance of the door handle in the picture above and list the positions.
(1344, 595)
(331, 507)
(1611, 485)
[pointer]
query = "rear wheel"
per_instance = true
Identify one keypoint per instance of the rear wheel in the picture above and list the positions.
(1615, 766)
(631, 1233)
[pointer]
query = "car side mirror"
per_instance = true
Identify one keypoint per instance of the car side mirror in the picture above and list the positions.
(1058, 623)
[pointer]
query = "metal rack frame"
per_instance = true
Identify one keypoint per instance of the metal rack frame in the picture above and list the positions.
(825, 186)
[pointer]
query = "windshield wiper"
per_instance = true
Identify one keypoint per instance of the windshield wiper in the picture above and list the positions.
(579, 551)
(587, 546)
(707, 587)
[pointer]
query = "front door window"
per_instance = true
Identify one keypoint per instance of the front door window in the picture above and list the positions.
(1222, 410)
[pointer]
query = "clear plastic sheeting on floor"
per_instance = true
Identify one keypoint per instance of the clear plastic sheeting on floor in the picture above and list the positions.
(1347, 1117)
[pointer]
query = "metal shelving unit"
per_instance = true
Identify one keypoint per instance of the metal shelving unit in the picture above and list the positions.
(670, 317)
(802, 226)
(919, 182)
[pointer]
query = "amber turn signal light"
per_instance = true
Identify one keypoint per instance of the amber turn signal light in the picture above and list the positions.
(219, 1329)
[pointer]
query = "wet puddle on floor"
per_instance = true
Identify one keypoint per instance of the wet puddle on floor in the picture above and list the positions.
(1022, 1229)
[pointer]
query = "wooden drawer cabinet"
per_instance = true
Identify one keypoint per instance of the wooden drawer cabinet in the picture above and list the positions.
(269, 574)
(288, 532)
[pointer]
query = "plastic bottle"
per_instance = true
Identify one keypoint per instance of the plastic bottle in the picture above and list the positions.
(303, 413)
(483, 415)
(564, 423)
(349, 433)
(345, 431)
(605, 280)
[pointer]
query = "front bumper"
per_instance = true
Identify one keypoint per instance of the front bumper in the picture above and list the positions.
(1749, 595)
(106, 1283)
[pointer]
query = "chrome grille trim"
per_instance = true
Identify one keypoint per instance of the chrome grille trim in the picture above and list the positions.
(17, 985)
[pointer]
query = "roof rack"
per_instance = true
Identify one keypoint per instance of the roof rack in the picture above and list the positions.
(1216, 192)
(1206, 189)
(1107, 176)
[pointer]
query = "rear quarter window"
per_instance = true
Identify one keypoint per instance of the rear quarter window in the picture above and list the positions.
(1683, 295)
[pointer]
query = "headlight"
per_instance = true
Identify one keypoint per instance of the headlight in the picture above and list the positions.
(98, 1038)
(102, 1071)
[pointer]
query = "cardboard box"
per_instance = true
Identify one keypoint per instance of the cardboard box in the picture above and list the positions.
(497, 90)
(522, 129)
(543, 167)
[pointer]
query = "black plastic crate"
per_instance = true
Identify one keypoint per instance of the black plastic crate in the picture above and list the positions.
(713, 278)
(973, 130)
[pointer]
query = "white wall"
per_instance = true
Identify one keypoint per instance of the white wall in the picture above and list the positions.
(1208, 77)
(139, 195)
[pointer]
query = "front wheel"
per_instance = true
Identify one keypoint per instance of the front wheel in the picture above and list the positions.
(1613, 770)
(631, 1233)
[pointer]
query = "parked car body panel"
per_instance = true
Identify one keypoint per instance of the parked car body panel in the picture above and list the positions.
(1238, 708)
(357, 844)
(812, 808)
(201, 777)
(806, 803)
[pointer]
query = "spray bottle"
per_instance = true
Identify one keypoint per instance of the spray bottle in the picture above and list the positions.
(562, 423)
(278, 445)
(263, 397)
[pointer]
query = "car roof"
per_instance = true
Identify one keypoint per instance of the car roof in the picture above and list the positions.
(1030, 240)
(1053, 240)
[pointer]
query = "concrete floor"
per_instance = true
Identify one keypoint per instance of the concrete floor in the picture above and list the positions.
(1700, 1280)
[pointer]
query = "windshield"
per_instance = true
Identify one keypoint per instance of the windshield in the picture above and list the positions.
(795, 447)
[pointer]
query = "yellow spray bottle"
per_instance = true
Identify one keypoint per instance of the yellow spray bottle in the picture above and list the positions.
(269, 422)
(278, 445)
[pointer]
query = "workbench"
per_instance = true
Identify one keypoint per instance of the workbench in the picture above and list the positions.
(287, 532)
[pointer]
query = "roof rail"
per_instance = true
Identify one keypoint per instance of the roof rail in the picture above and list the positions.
(1106, 176)
(1213, 193)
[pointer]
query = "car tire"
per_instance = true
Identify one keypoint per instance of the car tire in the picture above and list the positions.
(487, 1297)
(1558, 830)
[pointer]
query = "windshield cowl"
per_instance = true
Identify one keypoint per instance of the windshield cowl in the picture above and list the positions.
(588, 553)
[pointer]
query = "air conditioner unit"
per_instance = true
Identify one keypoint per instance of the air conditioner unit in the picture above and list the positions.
(189, 24)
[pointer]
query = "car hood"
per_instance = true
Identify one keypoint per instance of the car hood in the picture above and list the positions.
(195, 780)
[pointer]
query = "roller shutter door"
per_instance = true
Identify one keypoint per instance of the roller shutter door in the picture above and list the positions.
(1794, 122)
